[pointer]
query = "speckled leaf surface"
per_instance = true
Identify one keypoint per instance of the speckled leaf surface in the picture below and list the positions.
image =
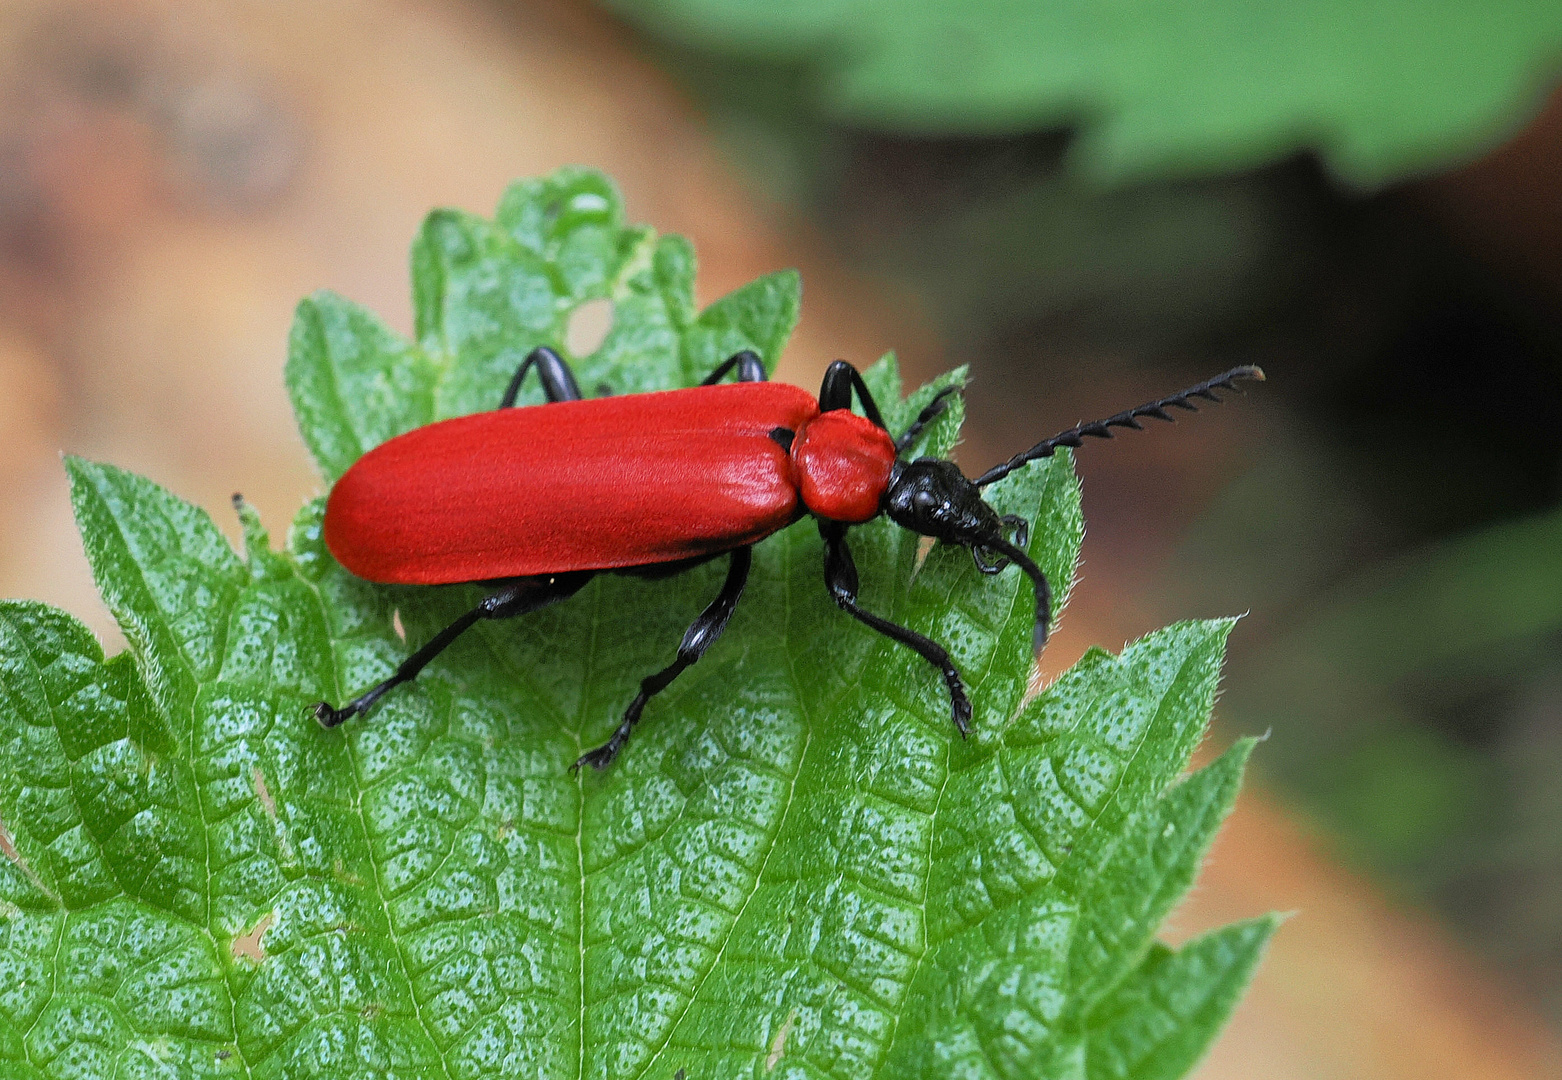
(796, 869)
(1380, 89)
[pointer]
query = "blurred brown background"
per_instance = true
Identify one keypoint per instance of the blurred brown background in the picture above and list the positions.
(173, 178)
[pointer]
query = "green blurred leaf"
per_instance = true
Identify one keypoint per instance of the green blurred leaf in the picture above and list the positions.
(1366, 688)
(1380, 90)
(794, 869)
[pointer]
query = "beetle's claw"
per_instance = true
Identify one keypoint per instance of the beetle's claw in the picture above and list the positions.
(960, 706)
(330, 718)
(598, 759)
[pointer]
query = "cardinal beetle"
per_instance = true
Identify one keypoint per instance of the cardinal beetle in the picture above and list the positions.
(539, 500)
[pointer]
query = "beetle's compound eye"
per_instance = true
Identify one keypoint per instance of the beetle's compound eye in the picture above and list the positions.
(925, 501)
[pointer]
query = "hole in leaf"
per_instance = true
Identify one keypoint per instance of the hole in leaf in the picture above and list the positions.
(778, 1044)
(587, 327)
(247, 945)
(401, 631)
(263, 793)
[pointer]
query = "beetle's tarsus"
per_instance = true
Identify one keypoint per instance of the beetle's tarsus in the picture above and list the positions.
(331, 717)
(598, 759)
(959, 704)
(604, 755)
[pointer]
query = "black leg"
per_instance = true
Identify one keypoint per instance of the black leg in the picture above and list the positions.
(558, 381)
(840, 575)
(517, 598)
(750, 368)
(1013, 553)
(701, 635)
(984, 556)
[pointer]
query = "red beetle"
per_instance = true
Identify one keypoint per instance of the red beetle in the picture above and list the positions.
(542, 499)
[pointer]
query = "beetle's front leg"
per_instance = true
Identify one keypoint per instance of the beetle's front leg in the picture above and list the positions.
(840, 574)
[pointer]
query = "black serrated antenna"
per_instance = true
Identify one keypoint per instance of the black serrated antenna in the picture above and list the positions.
(1102, 429)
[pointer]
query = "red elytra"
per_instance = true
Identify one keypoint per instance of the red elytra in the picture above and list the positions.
(602, 484)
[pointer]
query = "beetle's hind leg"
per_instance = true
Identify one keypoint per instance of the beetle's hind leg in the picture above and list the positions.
(701, 635)
(517, 598)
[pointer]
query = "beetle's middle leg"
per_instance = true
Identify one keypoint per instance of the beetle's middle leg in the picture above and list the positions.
(840, 574)
(701, 635)
(517, 598)
(750, 368)
(558, 381)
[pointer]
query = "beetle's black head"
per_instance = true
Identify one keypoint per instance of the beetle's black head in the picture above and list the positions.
(933, 498)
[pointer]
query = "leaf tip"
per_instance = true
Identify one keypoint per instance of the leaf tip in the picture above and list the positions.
(257, 540)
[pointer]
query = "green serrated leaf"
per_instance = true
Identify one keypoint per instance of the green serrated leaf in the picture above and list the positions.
(1379, 89)
(353, 381)
(795, 869)
(1161, 1019)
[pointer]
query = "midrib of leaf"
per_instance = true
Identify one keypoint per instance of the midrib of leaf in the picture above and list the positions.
(360, 788)
(1019, 597)
(618, 288)
(59, 930)
(580, 913)
(788, 550)
(390, 921)
(927, 880)
(580, 833)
